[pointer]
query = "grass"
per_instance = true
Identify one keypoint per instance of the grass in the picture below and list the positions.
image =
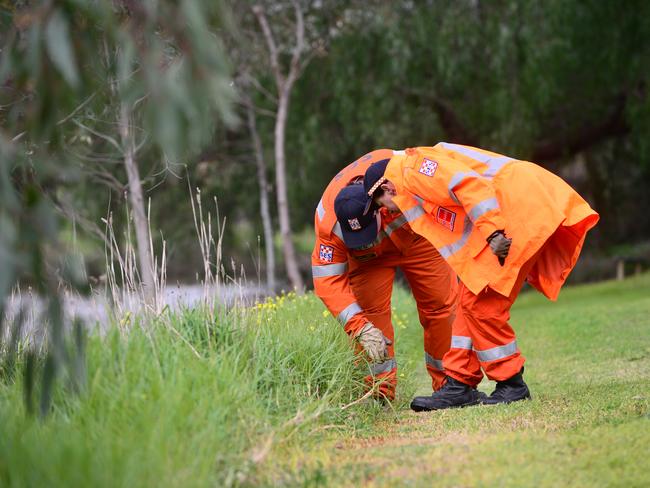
(263, 398)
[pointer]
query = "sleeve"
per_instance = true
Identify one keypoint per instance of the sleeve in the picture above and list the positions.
(329, 264)
(450, 182)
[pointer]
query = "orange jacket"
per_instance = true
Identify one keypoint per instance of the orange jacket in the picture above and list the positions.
(331, 259)
(464, 194)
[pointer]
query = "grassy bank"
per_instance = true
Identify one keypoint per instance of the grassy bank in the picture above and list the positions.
(202, 399)
(194, 399)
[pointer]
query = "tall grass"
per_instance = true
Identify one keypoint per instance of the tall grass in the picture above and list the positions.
(197, 398)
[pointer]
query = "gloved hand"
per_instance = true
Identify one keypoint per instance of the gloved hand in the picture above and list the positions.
(373, 342)
(499, 244)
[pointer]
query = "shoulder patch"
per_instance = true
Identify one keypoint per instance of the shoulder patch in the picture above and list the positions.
(446, 217)
(326, 253)
(428, 167)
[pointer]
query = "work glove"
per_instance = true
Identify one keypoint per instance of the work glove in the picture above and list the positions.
(500, 245)
(373, 342)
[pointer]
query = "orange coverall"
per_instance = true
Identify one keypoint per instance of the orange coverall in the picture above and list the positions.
(461, 195)
(356, 285)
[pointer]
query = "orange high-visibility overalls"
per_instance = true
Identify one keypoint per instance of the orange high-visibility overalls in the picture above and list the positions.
(457, 196)
(356, 285)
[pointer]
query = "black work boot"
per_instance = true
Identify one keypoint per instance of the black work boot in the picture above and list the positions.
(452, 394)
(511, 390)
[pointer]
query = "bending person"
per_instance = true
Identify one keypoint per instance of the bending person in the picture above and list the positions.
(498, 222)
(354, 263)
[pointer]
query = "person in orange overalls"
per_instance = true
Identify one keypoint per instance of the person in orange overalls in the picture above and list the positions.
(354, 265)
(498, 222)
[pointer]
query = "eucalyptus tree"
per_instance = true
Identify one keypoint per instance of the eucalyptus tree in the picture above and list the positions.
(64, 62)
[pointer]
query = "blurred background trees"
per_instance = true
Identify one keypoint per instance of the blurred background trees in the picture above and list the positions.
(561, 83)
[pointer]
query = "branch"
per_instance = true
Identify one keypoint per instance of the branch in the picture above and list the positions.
(566, 145)
(300, 40)
(100, 135)
(258, 10)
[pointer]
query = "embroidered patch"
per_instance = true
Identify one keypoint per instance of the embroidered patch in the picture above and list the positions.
(326, 253)
(446, 217)
(428, 167)
(354, 224)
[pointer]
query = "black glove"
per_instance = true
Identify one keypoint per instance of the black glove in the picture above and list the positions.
(500, 245)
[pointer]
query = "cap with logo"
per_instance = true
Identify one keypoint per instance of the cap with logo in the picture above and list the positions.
(373, 180)
(359, 228)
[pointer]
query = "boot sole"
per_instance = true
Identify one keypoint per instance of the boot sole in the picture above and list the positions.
(487, 402)
(418, 408)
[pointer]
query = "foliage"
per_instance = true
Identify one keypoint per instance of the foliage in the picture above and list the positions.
(210, 398)
(66, 61)
(195, 398)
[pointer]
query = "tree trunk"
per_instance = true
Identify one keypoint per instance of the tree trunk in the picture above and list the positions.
(136, 201)
(264, 199)
(281, 182)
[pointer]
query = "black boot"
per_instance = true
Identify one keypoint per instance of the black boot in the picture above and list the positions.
(452, 394)
(511, 390)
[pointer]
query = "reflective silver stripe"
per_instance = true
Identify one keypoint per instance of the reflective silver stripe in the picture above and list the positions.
(478, 156)
(483, 207)
(434, 363)
(349, 312)
(494, 165)
(414, 213)
(399, 153)
(419, 199)
(395, 224)
(337, 230)
(325, 270)
(320, 210)
(451, 249)
(385, 367)
(457, 179)
(461, 342)
(408, 216)
(498, 352)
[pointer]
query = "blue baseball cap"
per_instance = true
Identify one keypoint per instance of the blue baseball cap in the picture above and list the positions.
(359, 228)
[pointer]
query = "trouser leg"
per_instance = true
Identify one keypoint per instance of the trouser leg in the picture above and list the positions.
(435, 289)
(485, 320)
(461, 362)
(372, 284)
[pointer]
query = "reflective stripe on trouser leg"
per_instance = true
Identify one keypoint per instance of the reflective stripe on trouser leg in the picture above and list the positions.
(434, 363)
(498, 352)
(383, 367)
(349, 312)
(383, 378)
(461, 342)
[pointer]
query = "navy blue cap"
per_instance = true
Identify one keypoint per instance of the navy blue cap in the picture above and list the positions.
(371, 180)
(358, 229)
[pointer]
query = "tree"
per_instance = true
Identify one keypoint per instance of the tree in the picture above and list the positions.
(166, 55)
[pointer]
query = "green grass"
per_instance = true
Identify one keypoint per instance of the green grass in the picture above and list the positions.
(198, 399)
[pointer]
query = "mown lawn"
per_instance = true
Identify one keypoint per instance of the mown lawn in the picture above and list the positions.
(267, 397)
(589, 423)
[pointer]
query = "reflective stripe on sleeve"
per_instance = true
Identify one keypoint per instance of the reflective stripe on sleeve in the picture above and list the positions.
(320, 210)
(385, 367)
(451, 249)
(434, 363)
(494, 164)
(461, 342)
(326, 270)
(349, 312)
(482, 208)
(407, 216)
(457, 179)
(498, 352)
(399, 153)
(337, 230)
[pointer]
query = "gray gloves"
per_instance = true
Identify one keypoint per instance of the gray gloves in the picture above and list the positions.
(373, 342)
(499, 244)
